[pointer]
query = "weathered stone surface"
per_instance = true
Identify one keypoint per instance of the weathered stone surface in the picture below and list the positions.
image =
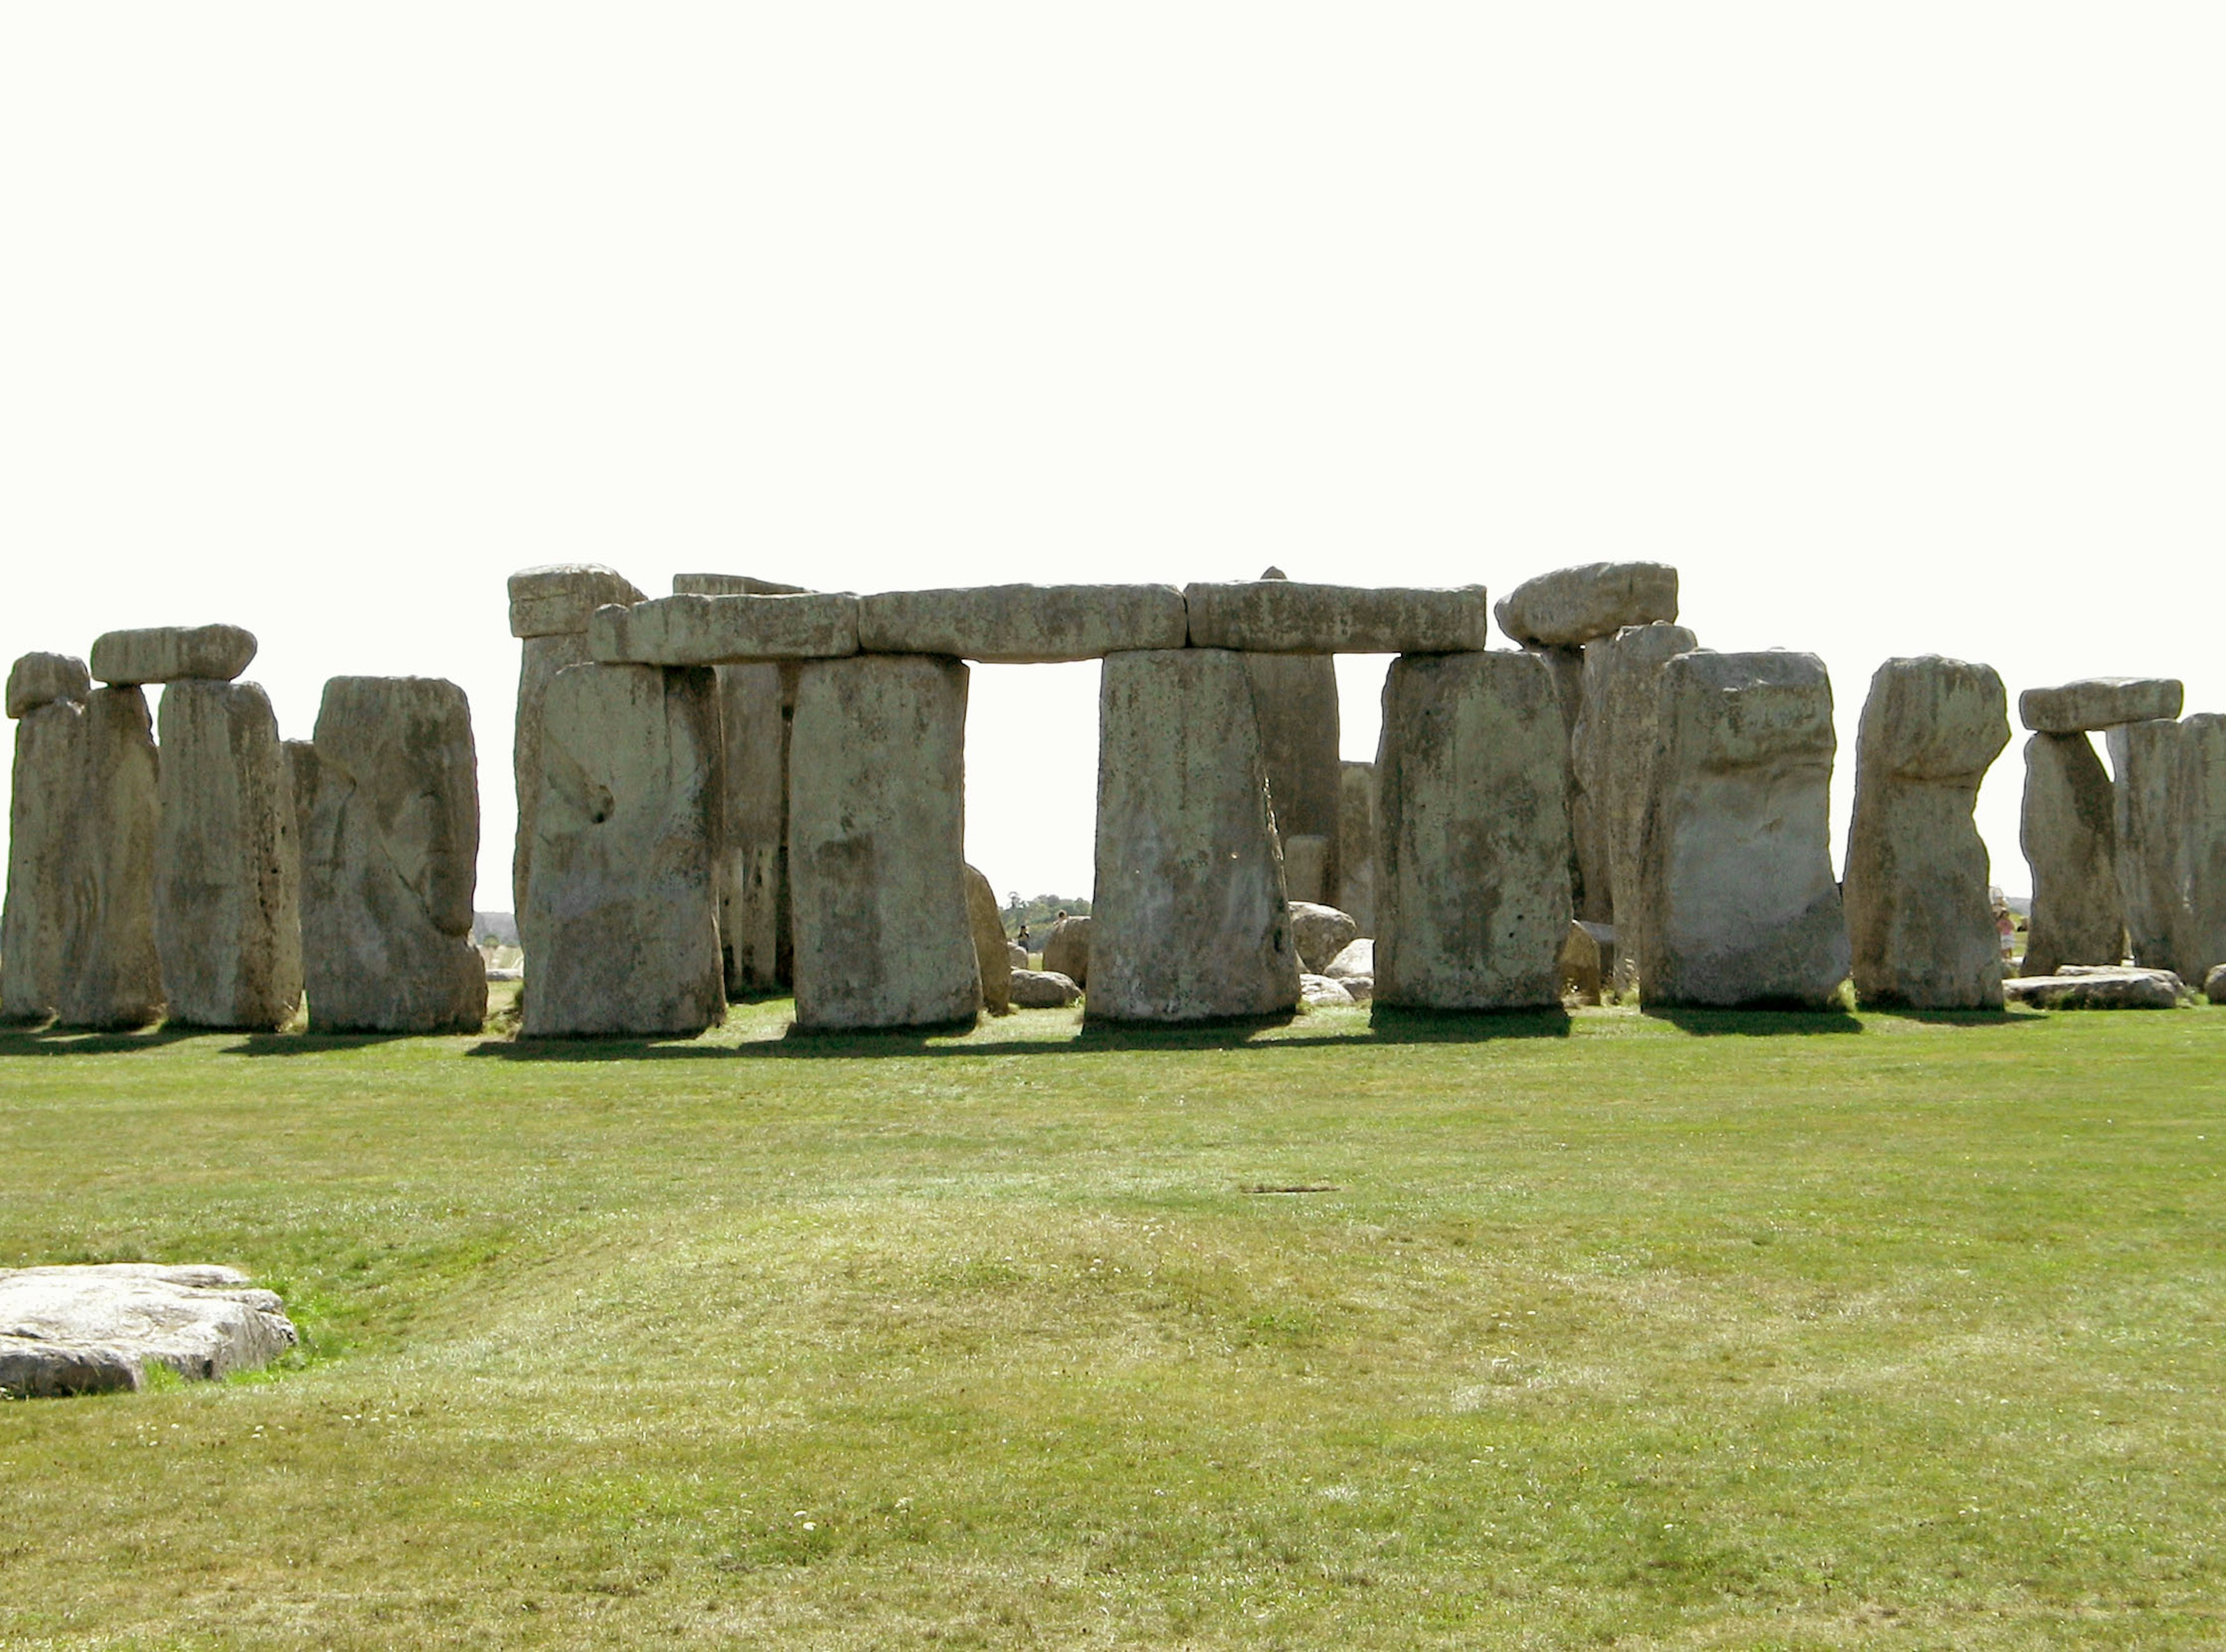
(726, 630)
(1737, 904)
(389, 861)
(40, 679)
(1583, 974)
(877, 829)
(755, 704)
(1067, 950)
(1357, 840)
(1566, 664)
(1360, 988)
(2151, 858)
(302, 774)
(1571, 606)
(1919, 919)
(86, 1329)
(621, 923)
(1042, 989)
(1305, 865)
(1320, 933)
(171, 654)
(112, 974)
(731, 585)
(2096, 702)
(1475, 853)
(1017, 955)
(2199, 803)
(227, 868)
(555, 601)
(1280, 616)
(1023, 625)
(35, 926)
(2069, 839)
(2097, 989)
(1612, 753)
(1319, 992)
(1189, 920)
(990, 958)
(1294, 703)
(1355, 957)
(542, 658)
(2214, 983)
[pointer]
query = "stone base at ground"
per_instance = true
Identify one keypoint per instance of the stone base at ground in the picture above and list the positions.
(2078, 988)
(85, 1329)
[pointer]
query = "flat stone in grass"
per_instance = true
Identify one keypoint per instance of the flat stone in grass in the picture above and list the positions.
(90, 1329)
(1042, 989)
(2076, 987)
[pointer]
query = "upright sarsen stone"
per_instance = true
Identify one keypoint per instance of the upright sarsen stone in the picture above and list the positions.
(620, 924)
(1473, 908)
(1357, 844)
(389, 861)
(1189, 919)
(227, 915)
(992, 957)
(42, 834)
(756, 703)
(1736, 900)
(1919, 921)
(2144, 768)
(1612, 755)
(2199, 806)
(112, 974)
(2069, 833)
(877, 834)
(1294, 699)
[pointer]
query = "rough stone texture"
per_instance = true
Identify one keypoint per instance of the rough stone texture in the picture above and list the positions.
(1475, 853)
(1320, 933)
(1611, 752)
(1355, 957)
(35, 927)
(1583, 975)
(1360, 988)
(2069, 839)
(620, 924)
(227, 868)
(1042, 989)
(1571, 606)
(2214, 983)
(541, 659)
(1189, 920)
(1920, 923)
(1737, 904)
(726, 630)
(112, 974)
(2096, 702)
(171, 654)
(755, 705)
(1305, 865)
(990, 957)
(2199, 802)
(2151, 860)
(40, 679)
(1016, 955)
(86, 1329)
(1295, 702)
(1023, 625)
(1319, 992)
(555, 599)
(877, 829)
(732, 585)
(1067, 950)
(1566, 664)
(2097, 989)
(1280, 616)
(389, 861)
(302, 775)
(1357, 840)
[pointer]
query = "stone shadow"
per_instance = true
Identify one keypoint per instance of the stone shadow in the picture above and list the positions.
(89, 1041)
(1757, 1022)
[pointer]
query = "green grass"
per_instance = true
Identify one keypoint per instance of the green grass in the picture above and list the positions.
(1620, 1331)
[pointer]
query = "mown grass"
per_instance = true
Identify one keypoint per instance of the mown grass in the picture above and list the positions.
(1784, 1332)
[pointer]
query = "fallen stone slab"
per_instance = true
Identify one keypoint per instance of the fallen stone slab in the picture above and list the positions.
(1023, 625)
(726, 630)
(1320, 933)
(1319, 992)
(2096, 702)
(96, 1328)
(1042, 989)
(1573, 606)
(37, 680)
(171, 654)
(1276, 616)
(555, 599)
(2097, 988)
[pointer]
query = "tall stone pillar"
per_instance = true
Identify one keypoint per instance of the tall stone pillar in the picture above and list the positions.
(1736, 900)
(390, 860)
(1294, 703)
(1189, 919)
(877, 841)
(1474, 906)
(112, 976)
(2199, 802)
(46, 695)
(1612, 754)
(2144, 764)
(1919, 920)
(1357, 841)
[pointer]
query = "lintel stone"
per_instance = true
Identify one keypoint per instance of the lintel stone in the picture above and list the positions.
(2096, 702)
(1023, 625)
(555, 599)
(1572, 606)
(1276, 616)
(173, 654)
(726, 630)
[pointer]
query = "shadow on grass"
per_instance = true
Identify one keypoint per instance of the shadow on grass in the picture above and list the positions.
(1755, 1023)
(315, 1043)
(84, 1041)
(1956, 1017)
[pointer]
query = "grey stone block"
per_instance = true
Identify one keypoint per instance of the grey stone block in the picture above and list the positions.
(726, 630)
(1023, 624)
(1280, 616)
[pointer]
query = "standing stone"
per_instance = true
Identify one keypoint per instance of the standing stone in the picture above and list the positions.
(1305, 865)
(1919, 919)
(391, 861)
(1189, 919)
(301, 777)
(1474, 905)
(1612, 755)
(227, 914)
(113, 974)
(990, 955)
(548, 612)
(1566, 662)
(1736, 901)
(1356, 832)
(1294, 700)
(1066, 949)
(42, 833)
(2199, 801)
(38, 680)
(2144, 766)
(620, 924)
(756, 704)
(2070, 838)
(877, 832)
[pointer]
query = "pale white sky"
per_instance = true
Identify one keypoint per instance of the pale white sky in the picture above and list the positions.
(1898, 329)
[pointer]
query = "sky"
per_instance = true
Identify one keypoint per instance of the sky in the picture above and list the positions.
(1897, 328)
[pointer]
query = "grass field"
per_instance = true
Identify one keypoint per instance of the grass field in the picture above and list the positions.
(1718, 1331)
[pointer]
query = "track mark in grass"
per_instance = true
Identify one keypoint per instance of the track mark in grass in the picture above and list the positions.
(1293, 1187)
